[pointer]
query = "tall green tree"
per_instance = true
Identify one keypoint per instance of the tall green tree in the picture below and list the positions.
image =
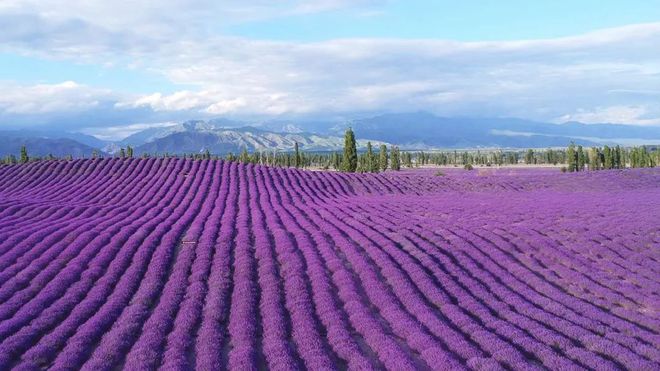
(382, 157)
(362, 163)
(245, 156)
(407, 159)
(571, 158)
(24, 155)
(594, 155)
(129, 152)
(297, 160)
(350, 160)
(529, 157)
(581, 159)
(617, 157)
(395, 158)
(371, 164)
(640, 157)
(336, 161)
(609, 159)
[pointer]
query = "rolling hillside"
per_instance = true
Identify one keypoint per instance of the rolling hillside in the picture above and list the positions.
(182, 264)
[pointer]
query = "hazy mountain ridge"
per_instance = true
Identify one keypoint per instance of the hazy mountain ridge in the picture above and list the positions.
(197, 136)
(420, 130)
(11, 143)
(410, 129)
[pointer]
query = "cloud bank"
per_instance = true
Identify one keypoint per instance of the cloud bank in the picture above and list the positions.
(608, 75)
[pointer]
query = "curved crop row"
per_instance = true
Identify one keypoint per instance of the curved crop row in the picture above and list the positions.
(207, 264)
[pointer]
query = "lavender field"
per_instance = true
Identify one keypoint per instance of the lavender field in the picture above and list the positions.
(207, 264)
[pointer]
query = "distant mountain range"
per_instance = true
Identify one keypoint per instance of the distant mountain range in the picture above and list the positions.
(198, 136)
(410, 131)
(43, 145)
(424, 130)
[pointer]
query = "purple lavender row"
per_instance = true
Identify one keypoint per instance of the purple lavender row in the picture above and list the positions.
(147, 351)
(33, 172)
(212, 339)
(594, 285)
(600, 259)
(32, 242)
(61, 222)
(423, 253)
(165, 260)
(25, 204)
(15, 183)
(479, 271)
(640, 344)
(55, 181)
(522, 334)
(335, 323)
(73, 295)
(70, 266)
(444, 276)
(61, 187)
(584, 334)
(47, 347)
(545, 319)
(559, 323)
(275, 319)
(421, 294)
(37, 224)
(180, 341)
(52, 266)
(392, 352)
(78, 347)
(290, 244)
(401, 321)
(243, 324)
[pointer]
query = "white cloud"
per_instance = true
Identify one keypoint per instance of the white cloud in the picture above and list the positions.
(47, 98)
(226, 106)
(582, 76)
(183, 100)
(638, 115)
(541, 79)
(171, 17)
(123, 131)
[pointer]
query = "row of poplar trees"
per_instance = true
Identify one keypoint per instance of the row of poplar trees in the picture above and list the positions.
(596, 158)
(11, 159)
(368, 162)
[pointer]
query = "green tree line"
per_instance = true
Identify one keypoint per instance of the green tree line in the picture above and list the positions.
(383, 158)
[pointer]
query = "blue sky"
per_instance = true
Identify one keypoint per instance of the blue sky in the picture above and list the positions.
(39, 70)
(100, 66)
(475, 20)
